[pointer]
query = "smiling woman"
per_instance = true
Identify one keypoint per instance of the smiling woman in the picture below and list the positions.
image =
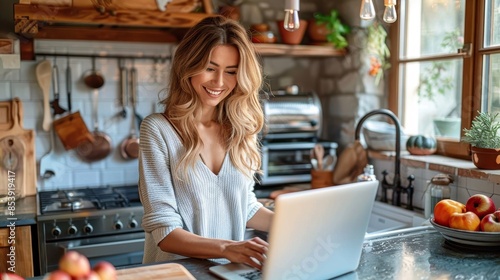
(198, 159)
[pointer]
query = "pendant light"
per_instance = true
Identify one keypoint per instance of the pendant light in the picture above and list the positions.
(292, 21)
(367, 10)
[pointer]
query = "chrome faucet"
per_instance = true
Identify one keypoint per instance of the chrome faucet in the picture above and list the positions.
(396, 187)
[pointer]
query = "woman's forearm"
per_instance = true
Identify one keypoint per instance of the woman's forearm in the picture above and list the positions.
(261, 220)
(187, 244)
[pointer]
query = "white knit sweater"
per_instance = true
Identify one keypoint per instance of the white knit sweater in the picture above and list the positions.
(213, 206)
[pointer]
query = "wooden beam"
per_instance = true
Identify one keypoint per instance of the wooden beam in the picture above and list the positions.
(106, 34)
(142, 18)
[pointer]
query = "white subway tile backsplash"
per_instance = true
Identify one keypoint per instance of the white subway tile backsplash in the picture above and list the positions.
(5, 90)
(71, 170)
(482, 186)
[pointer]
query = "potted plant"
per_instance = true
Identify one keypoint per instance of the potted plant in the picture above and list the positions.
(484, 140)
(329, 28)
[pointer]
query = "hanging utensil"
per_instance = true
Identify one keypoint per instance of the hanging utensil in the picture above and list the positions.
(71, 129)
(123, 89)
(69, 81)
(94, 79)
(58, 110)
(100, 148)
(129, 148)
(44, 77)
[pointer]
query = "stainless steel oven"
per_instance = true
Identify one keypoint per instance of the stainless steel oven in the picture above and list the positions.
(293, 125)
(101, 223)
(289, 162)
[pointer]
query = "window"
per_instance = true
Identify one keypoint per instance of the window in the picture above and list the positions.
(447, 67)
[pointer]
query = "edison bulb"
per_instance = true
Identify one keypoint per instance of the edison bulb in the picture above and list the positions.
(367, 10)
(390, 15)
(291, 22)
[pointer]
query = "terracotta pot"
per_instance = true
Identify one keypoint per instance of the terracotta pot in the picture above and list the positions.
(486, 158)
(317, 32)
(292, 37)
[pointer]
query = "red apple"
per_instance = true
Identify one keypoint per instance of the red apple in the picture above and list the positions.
(480, 204)
(465, 221)
(491, 222)
(75, 264)
(92, 275)
(10, 276)
(58, 275)
(444, 208)
(105, 270)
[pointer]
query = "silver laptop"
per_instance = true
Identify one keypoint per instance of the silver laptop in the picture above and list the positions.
(315, 234)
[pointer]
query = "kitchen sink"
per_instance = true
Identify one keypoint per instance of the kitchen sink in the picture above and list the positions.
(386, 217)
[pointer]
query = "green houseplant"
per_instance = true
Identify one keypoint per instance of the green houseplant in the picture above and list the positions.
(329, 28)
(484, 140)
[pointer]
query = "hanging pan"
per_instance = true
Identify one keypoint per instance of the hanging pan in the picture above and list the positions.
(100, 148)
(129, 149)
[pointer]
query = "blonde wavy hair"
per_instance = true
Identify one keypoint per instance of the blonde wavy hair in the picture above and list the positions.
(239, 114)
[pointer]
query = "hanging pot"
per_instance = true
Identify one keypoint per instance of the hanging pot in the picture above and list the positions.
(129, 149)
(100, 148)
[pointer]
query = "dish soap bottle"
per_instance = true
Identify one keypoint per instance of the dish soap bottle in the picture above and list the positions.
(368, 174)
(438, 189)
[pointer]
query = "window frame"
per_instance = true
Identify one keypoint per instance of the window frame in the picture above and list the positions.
(471, 77)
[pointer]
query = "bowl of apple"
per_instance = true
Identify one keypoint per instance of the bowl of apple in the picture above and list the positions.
(475, 223)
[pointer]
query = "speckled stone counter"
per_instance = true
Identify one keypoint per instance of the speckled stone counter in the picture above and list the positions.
(420, 253)
(424, 254)
(24, 212)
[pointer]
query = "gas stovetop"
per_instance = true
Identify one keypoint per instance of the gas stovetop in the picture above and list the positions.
(87, 199)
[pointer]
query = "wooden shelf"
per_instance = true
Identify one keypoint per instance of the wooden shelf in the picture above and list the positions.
(298, 50)
(61, 22)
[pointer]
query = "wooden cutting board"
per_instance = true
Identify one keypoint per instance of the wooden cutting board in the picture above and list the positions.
(11, 120)
(171, 271)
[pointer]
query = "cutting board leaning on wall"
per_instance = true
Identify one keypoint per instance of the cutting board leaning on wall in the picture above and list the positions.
(17, 148)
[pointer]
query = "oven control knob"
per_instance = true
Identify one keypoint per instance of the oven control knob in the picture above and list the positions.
(88, 228)
(118, 225)
(133, 223)
(56, 231)
(72, 229)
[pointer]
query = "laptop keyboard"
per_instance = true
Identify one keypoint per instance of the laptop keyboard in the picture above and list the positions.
(252, 275)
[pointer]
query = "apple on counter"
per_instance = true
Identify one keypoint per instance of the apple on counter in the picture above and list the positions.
(480, 204)
(465, 221)
(445, 208)
(75, 266)
(491, 222)
(10, 276)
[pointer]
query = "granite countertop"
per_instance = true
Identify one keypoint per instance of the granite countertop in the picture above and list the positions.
(417, 253)
(423, 253)
(23, 213)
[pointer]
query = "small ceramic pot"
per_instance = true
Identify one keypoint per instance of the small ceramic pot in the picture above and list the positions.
(317, 31)
(292, 37)
(486, 158)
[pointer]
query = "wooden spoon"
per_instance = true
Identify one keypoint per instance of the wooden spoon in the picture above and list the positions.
(44, 78)
(319, 152)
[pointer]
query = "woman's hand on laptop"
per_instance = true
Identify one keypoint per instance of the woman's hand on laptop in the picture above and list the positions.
(251, 252)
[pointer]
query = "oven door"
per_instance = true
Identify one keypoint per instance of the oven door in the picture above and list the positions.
(120, 250)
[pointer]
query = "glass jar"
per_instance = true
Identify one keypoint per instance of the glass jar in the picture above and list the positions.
(368, 174)
(438, 189)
